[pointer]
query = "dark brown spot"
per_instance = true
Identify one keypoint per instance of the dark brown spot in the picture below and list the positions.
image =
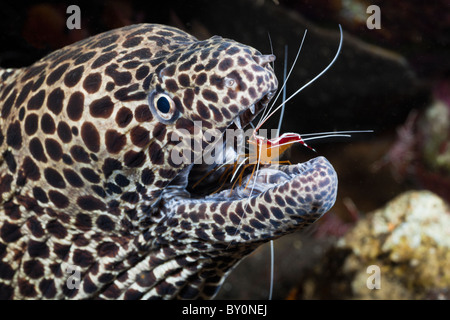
(225, 64)
(84, 57)
(90, 203)
(107, 249)
(92, 82)
(47, 124)
(26, 289)
(10, 161)
(218, 219)
(73, 76)
(142, 72)
(210, 95)
(159, 131)
(171, 85)
(73, 178)
(188, 98)
(141, 54)
(130, 197)
(101, 108)
(83, 221)
(103, 59)
(156, 153)
(10, 232)
(120, 78)
(211, 64)
(139, 136)
(30, 169)
(184, 80)
(64, 132)
(55, 228)
(21, 113)
(67, 159)
(110, 165)
(55, 101)
(185, 124)
(105, 223)
(134, 159)
(90, 175)
(188, 64)
(79, 154)
(6, 109)
(121, 180)
(82, 258)
(31, 124)
(203, 111)
(147, 176)
(36, 149)
(38, 249)
(216, 113)
(75, 106)
(110, 86)
(132, 64)
(90, 136)
(129, 94)
(114, 141)
(201, 79)
(35, 227)
(124, 117)
(40, 194)
(56, 74)
(142, 113)
(14, 135)
(132, 42)
(54, 178)
(23, 93)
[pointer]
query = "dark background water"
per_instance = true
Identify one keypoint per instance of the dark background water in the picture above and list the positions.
(381, 76)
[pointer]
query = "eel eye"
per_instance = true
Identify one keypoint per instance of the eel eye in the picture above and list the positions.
(163, 107)
(163, 104)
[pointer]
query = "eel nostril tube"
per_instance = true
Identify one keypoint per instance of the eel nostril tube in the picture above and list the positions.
(263, 60)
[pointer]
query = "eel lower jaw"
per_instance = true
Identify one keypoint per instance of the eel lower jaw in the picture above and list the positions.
(302, 178)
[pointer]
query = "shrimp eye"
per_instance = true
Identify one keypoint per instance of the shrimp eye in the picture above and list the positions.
(163, 107)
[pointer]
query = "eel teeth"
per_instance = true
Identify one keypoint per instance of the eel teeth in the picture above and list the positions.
(252, 108)
(237, 122)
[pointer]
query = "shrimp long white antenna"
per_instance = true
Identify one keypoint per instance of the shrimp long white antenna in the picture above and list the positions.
(284, 89)
(261, 122)
(334, 132)
(271, 49)
(272, 250)
(322, 135)
(267, 110)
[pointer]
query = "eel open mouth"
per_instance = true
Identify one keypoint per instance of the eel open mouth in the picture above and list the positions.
(282, 197)
(236, 179)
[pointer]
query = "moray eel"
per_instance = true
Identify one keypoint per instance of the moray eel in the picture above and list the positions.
(92, 203)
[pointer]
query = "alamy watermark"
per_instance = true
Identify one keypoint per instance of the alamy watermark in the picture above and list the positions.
(74, 279)
(374, 20)
(74, 20)
(374, 280)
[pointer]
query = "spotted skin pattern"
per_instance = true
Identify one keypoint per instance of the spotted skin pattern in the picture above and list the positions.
(87, 182)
